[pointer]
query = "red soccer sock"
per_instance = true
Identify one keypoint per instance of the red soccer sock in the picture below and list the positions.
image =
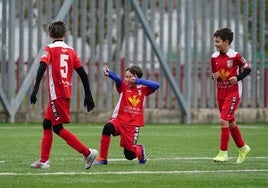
(74, 142)
(236, 134)
(46, 144)
(138, 151)
(104, 146)
(225, 135)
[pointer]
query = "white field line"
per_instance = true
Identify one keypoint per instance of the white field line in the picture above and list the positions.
(174, 158)
(189, 158)
(133, 172)
(143, 172)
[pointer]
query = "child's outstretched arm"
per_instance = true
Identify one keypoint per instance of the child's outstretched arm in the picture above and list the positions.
(88, 100)
(151, 84)
(41, 70)
(110, 74)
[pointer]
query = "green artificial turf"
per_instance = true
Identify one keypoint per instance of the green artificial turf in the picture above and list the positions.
(178, 156)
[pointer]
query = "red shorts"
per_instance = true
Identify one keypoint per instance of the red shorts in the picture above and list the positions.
(228, 108)
(128, 134)
(58, 111)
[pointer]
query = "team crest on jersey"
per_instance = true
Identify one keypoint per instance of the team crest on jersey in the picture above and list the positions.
(229, 63)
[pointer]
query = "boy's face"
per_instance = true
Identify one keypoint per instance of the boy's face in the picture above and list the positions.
(221, 45)
(130, 79)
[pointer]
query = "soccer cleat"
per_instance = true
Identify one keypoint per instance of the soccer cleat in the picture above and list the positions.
(39, 164)
(221, 157)
(243, 152)
(90, 158)
(100, 161)
(143, 158)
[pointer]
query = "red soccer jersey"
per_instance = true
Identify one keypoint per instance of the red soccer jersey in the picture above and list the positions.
(130, 107)
(61, 60)
(228, 65)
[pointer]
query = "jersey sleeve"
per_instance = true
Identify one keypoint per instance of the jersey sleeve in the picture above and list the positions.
(241, 62)
(77, 61)
(46, 55)
(245, 69)
(213, 65)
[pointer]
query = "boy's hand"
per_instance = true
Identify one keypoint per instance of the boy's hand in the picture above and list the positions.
(216, 75)
(33, 99)
(233, 80)
(89, 103)
(105, 70)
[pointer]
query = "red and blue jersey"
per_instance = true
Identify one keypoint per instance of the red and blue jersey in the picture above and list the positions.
(130, 107)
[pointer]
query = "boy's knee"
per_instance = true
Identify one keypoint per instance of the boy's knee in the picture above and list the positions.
(108, 129)
(57, 129)
(47, 124)
(130, 155)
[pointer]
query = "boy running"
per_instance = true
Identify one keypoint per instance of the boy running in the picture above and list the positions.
(60, 60)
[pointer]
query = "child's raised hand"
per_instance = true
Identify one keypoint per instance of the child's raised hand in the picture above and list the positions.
(105, 70)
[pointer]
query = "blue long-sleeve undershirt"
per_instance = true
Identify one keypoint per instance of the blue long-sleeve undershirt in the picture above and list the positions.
(151, 84)
(116, 78)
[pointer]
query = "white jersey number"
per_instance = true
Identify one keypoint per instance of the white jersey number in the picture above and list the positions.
(64, 65)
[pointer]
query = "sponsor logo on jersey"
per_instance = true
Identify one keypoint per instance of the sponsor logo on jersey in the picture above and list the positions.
(224, 74)
(64, 50)
(134, 100)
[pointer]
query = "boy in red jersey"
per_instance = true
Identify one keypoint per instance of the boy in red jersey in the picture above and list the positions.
(128, 115)
(229, 68)
(61, 60)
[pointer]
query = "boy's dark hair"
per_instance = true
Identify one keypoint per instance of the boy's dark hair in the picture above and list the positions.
(225, 34)
(136, 70)
(57, 29)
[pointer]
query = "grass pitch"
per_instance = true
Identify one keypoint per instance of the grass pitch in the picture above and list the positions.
(178, 156)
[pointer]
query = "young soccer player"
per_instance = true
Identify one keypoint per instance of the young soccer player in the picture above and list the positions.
(128, 115)
(229, 68)
(60, 60)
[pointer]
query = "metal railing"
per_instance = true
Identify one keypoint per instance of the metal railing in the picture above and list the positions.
(170, 39)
